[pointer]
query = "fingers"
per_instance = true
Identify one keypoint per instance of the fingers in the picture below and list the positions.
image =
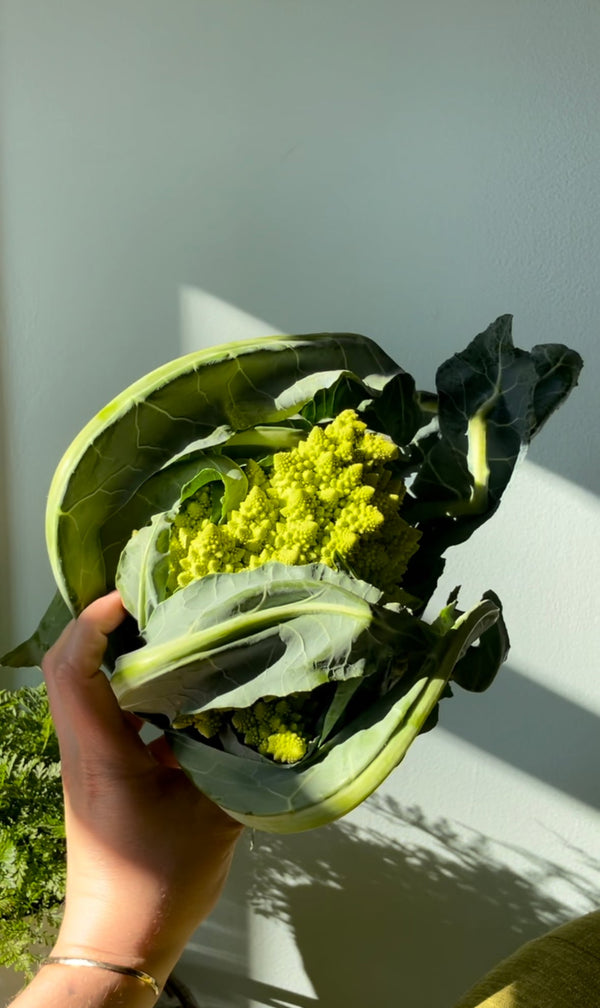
(94, 625)
(87, 717)
(163, 753)
(85, 638)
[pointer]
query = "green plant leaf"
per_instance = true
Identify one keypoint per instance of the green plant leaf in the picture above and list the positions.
(476, 669)
(143, 569)
(143, 565)
(229, 639)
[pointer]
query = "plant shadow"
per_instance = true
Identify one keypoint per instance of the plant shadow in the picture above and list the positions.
(413, 912)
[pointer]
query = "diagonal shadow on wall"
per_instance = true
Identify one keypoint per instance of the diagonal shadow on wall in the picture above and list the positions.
(412, 915)
(558, 450)
(533, 729)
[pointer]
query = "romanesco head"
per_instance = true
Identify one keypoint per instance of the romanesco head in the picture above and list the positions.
(329, 499)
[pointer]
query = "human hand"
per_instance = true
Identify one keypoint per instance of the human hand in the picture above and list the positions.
(147, 853)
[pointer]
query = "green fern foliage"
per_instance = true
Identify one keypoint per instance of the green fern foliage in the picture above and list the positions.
(32, 838)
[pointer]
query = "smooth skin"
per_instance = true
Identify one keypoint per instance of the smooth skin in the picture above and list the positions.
(147, 853)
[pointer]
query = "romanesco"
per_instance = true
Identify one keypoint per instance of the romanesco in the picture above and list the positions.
(207, 723)
(329, 499)
(276, 727)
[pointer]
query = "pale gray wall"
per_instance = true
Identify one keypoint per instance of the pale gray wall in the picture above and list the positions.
(410, 171)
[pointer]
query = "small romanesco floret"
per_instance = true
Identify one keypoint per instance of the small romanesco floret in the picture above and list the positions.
(330, 499)
(276, 727)
(207, 723)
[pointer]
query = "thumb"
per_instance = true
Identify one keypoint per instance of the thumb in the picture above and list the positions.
(86, 715)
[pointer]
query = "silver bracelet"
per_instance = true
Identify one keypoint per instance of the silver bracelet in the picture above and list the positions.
(140, 975)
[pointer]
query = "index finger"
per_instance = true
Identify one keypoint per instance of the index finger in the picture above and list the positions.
(87, 717)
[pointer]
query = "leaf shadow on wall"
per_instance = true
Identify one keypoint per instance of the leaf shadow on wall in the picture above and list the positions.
(418, 916)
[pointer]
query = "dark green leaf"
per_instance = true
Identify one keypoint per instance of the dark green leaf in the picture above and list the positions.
(493, 398)
(558, 369)
(478, 667)
(397, 411)
(30, 652)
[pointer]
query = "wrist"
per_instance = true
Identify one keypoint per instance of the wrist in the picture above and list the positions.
(81, 962)
(134, 935)
(154, 963)
(63, 986)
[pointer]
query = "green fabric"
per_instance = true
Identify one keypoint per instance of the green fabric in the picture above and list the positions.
(559, 970)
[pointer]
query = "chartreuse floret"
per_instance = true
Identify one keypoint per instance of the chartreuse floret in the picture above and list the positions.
(276, 727)
(330, 500)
